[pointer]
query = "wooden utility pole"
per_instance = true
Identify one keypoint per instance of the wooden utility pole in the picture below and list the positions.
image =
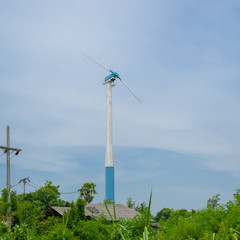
(8, 150)
(24, 180)
(8, 167)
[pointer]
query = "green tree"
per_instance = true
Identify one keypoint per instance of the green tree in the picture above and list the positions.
(4, 203)
(76, 212)
(131, 203)
(141, 207)
(164, 214)
(214, 201)
(45, 196)
(87, 191)
(237, 196)
(28, 213)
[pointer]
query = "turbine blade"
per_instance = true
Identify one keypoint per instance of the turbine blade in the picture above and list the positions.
(129, 89)
(92, 59)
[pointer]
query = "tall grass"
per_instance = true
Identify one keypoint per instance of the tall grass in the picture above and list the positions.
(146, 233)
(118, 227)
(121, 230)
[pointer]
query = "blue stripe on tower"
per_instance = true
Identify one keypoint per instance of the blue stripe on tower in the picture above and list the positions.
(109, 183)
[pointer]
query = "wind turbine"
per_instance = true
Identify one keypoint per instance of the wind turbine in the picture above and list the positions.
(109, 161)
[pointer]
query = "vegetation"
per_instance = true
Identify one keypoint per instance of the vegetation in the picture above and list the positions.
(87, 191)
(140, 207)
(31, 219)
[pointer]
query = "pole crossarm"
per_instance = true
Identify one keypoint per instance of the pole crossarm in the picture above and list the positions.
(10, 148)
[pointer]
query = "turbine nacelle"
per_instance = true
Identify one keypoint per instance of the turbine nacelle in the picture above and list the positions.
(112, 76)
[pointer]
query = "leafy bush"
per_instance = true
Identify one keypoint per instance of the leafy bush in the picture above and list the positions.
(92, 230)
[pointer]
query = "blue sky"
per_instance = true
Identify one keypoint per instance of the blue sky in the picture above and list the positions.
(180, 57)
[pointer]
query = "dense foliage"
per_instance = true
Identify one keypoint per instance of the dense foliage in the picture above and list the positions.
(87, 191)
(30, 220)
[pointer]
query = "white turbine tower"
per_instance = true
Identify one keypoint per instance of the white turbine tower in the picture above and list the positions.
(109, 161)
